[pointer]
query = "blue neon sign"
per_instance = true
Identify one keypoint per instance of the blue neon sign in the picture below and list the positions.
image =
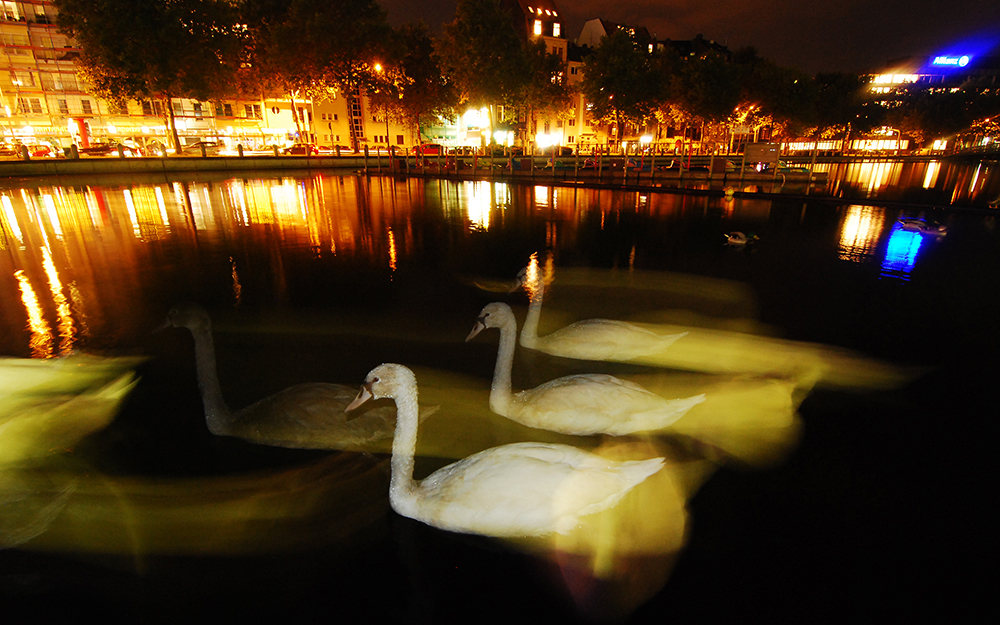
(951, 61)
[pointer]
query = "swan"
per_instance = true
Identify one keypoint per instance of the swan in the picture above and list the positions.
(304, 416)
(520, 489)
(738, 239)
(590, 403)
(590, 339)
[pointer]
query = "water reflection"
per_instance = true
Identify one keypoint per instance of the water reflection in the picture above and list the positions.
(860, 232)
(901, 252)
(319, 278)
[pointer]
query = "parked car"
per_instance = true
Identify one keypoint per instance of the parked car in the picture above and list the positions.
(212, 148)
(109, 148)
(301, 149)
(428, 149)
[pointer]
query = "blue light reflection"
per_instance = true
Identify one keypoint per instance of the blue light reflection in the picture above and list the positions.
(901, 252)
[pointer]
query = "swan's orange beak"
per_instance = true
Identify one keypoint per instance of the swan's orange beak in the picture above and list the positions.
(476, 329)
(363, 395)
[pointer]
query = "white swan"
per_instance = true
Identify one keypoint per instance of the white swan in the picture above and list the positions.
(521, 489)
(590, 403)
(590, 339)
(304, 416)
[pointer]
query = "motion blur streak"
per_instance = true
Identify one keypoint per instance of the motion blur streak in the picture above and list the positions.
(337, 500)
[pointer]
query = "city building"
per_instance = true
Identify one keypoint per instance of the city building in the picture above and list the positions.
(46, 106)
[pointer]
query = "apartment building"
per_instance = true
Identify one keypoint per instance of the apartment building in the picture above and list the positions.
(43, 102)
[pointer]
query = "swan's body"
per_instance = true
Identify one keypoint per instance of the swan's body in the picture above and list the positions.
(591, 339)
(589, 403)
(305, 416)
(738, 239)
(521, 489)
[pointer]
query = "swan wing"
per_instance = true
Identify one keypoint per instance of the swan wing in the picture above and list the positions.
(604, 339)
(312, 416)
(526, 489)
(596, 403)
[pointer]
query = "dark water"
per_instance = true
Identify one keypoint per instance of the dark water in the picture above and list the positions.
(874, 510)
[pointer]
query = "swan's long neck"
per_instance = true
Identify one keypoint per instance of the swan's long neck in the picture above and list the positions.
(217, 413)
(402, 488)
(500, 393)
(529, 332)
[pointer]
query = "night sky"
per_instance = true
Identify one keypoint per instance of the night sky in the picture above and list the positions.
(838, 35)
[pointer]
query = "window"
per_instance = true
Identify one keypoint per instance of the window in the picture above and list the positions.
(538, 27)
(88, 108)
(29, 105)
(559, 123)
(227, 109)
(556, 29)
(197, 109)
(63, 107)
(572, 71)
(252, 111)
(571, 139)
(338, 138)
(118, 109)
(399, 139)
(334, 117)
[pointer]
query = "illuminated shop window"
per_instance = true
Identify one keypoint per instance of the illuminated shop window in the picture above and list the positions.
(538, 27)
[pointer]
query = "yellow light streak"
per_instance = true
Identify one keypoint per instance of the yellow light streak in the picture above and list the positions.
(41, 335)
(11, 219)
(63, 310)
(859, 236)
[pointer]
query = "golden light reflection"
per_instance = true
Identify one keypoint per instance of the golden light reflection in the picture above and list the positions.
(132, 216)
(392, 251)
(873, 175)
(478, 198)
(931, 175)
(53, 215)
(63, 311)
(860, 232)
(41, 335)
(541, 196)
(10, 219)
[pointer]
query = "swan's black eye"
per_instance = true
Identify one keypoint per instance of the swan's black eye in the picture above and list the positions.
(374, 380)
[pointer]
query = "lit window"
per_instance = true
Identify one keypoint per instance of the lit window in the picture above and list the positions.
(556, 29)
(538, 27)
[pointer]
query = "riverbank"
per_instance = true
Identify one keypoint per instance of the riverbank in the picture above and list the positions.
(806, 177)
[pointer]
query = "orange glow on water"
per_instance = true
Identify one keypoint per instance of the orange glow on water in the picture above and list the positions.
(859, 235)
(392, 251)
(63, 310)
(41, 335)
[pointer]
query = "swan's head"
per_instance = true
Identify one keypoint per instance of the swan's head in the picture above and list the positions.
(187, 315)
(388, 380)
(495, 315)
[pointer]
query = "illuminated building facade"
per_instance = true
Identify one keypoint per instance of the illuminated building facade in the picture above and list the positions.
(43, 102)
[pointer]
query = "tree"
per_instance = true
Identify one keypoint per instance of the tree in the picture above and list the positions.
(421, 90)
(311, 48)
(484, 55)
(155, 49)
(619, 82)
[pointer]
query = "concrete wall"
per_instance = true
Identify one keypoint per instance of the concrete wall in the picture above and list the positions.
(154, 165)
